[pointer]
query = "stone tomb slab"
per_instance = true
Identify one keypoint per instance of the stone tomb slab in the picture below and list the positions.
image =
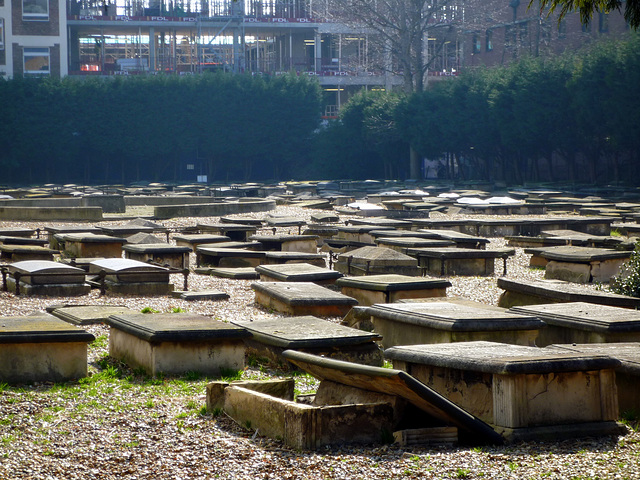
(526, 393)
(371, 289)
(297, 272)
(47, 278)
(296, 298)
(9, 240)
(87, 245)
(41, 348)
(228, 257)
(376, 261)
(534, 292)
(446, 322)
(176, 343)
(125, 231)
(17, 232)
(165, 254)
(193, 240)
(627, 374)
(213, 295)
(462, 240)
(460, 261)
(88, 314)
(234, 231)
(360, 233)
(126, 276)
(279, 258)
(572, 237)
(581, 264)
(288, 243)
(270, 337)
(238, 273)
(18, 253)
(53, 230)
(402, 244)
(580, 322)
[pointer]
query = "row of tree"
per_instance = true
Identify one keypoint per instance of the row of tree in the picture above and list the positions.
(155, 128)
(574, 117)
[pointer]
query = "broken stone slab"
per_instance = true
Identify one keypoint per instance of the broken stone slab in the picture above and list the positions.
(580, 322)
(193, 240)
(627, 374)
(234, 231)
(172, 256)
(534, 292)
(525, 392)
(297, 272)
(460, 261)
(278, 258)
(447, 322)
(376, 261)
(45, 277)
(581, 264)
(296, 298)
(18, 253)
(270, 337)
(462, 240)
(228, 257)
(287, 243)
(213, 295)
(371, 289)
(325, 217)
(88, 314)
(239, 273)
(280, 388)
(41, 348)
(176, 343)
(126, 276)
(86, 245)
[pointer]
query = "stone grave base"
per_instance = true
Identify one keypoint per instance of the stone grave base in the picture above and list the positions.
(50, 290)
(174, 357)
(371, 297)
(597, 271)
(306, 308)
(42, 362)
(93, 250)
(459, 266)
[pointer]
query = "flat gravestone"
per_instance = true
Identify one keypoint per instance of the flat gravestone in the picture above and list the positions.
(53, 230)
(88, 314)
(627, 374)
(284, 221)
(270, 337)
(234, 231)
(144, 238)
(242, 220)
(403, 244)
(462, 240)
(193, 240)
(580, 322)
(460, 261)
(172, 256)
(176, 343)
(370, 289)
(126, 276)
(524, 241)
(297, 272)
(238, 273)
(534, 292)
(359, 233)
(278, 258)
(124, 231)
(376, 261)
(17, 232)
(45, 277)
(325, 217)
(85, 245)
(228, 257)
(10, 240)
(41, 348)
(17, 253)
(213, 295)
(296, 298)
(447, 322)
(288, 243)
(526, 393)
(582, 264)
(572, 237)
(381, 222)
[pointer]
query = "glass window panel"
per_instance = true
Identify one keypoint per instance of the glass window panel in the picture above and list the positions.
(36, 61)
(35, 9)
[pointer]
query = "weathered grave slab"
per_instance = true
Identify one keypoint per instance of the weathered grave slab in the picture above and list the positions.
(172, 256)
(526, 393)
(176, 343)
(53, 230)
(297, 272)
(284, 221)
(8, 240)
(45, 277)
(524, 241)
(325, 217)
(88, 314)
(534, 292)
(234, 231)
(287, 243)
(87, 245)
(381, 222)
(270, 337)
(126, 276)
(41, 348)
(371, 289)
(238, 273)
(242, 220)
(17, 232)
(228, 257)
(376, 261)
(193, 240)
(212, 295)
(446, 322)
(139, 238)
(277, 258)
(296, 298)
(627, 374)
(402, 244)
(580, 322)
(18, 253)
(460, 261)
(360, 234)
(573, 237)
(323, 232)
(125, 231)
(462, 240)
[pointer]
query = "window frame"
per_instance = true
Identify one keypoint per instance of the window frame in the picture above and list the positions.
(36, 52)
(37, 17)
(1, 34)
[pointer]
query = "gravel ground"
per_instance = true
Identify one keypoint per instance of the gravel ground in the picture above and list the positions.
(118, 423)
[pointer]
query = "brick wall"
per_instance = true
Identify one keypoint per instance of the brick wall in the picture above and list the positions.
(35, 27)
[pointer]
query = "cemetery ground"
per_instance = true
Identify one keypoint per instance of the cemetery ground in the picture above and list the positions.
(121, 423)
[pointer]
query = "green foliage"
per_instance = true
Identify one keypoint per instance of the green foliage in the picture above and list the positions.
(149, 310)
(178, 310)
(627, 282)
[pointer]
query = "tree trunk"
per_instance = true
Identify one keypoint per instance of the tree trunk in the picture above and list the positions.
(414, 164)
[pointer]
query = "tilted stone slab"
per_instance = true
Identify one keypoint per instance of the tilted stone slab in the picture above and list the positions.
(371, 289)
(297, 272)
(295, 298)
(88, 314)
(270, 337)
(580, 322)
(527, 393)
(176, 343)
(41, 348)
(288, 243)
(534, 292)
(446, 322)
(173, 256)
(460, 261)
(325, 217)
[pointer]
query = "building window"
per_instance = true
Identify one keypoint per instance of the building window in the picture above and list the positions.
(603, 22)
(35, 9)
(1, 33)
(477, 46)
(489, 41)
(36, 61)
